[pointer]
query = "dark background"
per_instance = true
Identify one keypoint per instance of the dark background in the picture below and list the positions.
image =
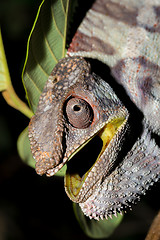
(34, 207)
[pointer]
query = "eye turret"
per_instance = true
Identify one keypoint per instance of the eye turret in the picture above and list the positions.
(79, 113)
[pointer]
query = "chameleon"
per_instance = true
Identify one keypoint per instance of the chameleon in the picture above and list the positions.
(77, 107)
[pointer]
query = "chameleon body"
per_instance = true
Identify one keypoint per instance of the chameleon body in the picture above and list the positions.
(77, 106)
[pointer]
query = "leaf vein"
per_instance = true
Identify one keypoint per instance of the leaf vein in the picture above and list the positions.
(63, 7)
(42, 69)
(31, 80)
(56, 24)
(48, 45)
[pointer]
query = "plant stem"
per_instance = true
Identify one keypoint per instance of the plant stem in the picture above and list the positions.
(6, 86)
(14, 101)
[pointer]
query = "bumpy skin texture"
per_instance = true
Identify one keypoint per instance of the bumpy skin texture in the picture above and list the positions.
(52, 138)
(46, 128)
(125, 36)
(124, 186)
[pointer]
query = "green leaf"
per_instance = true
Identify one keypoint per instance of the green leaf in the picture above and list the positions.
(61, 172)
(96, 229)
(23, 147)
(24, 150)
(46, 45)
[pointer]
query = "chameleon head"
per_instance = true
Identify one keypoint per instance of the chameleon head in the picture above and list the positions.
(75, 107)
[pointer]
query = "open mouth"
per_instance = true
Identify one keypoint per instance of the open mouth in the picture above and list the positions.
(90, 156)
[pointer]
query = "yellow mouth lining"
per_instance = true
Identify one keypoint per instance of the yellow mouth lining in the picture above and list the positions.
(73, 182)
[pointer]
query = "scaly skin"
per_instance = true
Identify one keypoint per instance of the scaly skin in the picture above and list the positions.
(77, 106)
(125, 35)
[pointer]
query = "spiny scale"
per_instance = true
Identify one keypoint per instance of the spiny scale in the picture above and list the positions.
(128, 182)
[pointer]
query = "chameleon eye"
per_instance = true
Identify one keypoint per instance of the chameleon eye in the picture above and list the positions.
(79, 113)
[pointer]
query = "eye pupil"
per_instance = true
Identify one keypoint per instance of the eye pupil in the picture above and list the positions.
(79, 113)
(76, 108)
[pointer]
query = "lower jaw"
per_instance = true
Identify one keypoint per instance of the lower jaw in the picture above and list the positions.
(81, 164)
